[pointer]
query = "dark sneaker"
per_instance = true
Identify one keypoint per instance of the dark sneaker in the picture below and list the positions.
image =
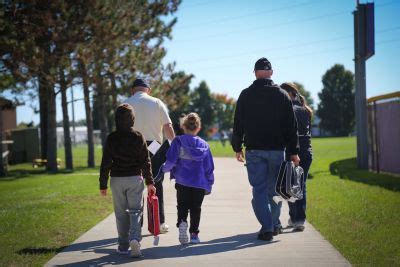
(194, 238)
(278, 231)
(265, 236)
(298, 227)
(121, 251)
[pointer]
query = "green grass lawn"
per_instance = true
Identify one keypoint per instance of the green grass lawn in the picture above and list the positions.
(40, 214)
(357, 211)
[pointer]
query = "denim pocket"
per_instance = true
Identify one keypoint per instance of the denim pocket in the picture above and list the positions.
(252, 157)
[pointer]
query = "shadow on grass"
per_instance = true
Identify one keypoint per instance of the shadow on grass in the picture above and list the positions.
(36, 251)
(29, 172)
(347, 169)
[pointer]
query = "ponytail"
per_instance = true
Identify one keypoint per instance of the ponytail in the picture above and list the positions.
(291, 88)
(303, 102)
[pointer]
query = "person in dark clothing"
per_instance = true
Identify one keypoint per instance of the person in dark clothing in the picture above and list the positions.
(264, 122)
(303, 113)
(126, 159)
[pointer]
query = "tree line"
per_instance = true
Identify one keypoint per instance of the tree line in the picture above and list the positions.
(47, 47)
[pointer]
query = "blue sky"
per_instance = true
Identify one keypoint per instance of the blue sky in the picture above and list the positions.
(219, 41)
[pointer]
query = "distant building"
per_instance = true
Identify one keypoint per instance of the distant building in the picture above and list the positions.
(77, 138)
(8, 114)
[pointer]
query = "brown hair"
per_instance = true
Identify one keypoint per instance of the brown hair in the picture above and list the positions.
(191, 122)
(291, 88)
(124, 118)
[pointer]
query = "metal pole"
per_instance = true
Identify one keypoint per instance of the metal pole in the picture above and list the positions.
(73, 115)
(360, 93)
(376, 140)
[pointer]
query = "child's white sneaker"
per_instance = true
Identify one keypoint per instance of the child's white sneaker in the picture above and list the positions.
(183, 233)
(164, 228)
(135, 249)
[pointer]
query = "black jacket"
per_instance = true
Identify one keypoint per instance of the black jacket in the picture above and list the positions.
(303, 118)
(264, 119)
(125, 154)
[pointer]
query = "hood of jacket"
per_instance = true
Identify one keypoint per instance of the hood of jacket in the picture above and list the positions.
(193, 147)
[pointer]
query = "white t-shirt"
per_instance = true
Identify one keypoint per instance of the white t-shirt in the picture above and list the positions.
(150, 115)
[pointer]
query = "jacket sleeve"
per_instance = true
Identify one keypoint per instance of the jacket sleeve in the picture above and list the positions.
(145, 163)
(238, 127)
(209, 168)
(106, 164)
(289, 125)
(172, 155)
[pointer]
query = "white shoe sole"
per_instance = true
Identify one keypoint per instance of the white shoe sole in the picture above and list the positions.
(125, 252)
(135, 249)
(183, 234)
(164, 229)
(194, 241)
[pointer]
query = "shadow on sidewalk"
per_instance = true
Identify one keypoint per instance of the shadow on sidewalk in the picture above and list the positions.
(219, 245)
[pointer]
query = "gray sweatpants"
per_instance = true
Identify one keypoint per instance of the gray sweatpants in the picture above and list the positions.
(128, 207)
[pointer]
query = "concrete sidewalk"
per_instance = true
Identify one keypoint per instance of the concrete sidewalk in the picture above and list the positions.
(228, 234)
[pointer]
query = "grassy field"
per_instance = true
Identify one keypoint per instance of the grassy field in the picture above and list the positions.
(40, 214)
(80, 153)
(357, 211)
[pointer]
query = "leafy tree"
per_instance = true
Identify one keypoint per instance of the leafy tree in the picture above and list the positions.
(31, 49)
(107, 43)
(224, 108)
(202, 103)
(336, 107)
(177, 94)
(305, 93)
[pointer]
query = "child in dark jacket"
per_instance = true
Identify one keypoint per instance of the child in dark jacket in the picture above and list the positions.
(191, 164)
(125, 155)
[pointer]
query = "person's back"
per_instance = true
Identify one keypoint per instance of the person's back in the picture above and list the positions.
(126, 159)
(151, 119)
(303, 113)
(127, 151)
(265, 124)
(265, 108)
(191, 164)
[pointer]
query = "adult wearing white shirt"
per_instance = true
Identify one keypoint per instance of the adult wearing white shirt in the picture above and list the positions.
(152, 120)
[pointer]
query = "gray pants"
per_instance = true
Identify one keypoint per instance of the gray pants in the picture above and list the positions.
(128, 206)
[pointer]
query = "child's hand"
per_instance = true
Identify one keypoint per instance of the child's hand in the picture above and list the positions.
(151, 189)
(103, 192)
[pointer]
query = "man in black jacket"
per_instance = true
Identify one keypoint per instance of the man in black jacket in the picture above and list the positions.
(265, 123)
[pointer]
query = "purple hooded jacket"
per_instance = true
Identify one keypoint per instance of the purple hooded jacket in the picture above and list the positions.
(190, 162)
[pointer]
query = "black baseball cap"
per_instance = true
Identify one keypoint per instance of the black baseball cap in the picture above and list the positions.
(262, 64)
(141, 83)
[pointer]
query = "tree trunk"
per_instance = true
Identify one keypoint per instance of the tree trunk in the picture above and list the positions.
(88, 111)
(2, 167)
(114, 95)
(67, 135)
(43, 116)
(102, 116)
(51, 130)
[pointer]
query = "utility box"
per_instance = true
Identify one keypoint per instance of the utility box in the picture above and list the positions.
(25, 147)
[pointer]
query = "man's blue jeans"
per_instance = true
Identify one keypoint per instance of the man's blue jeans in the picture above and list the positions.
(262, 168)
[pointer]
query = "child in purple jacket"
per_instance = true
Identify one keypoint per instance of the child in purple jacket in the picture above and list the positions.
(191, 164)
